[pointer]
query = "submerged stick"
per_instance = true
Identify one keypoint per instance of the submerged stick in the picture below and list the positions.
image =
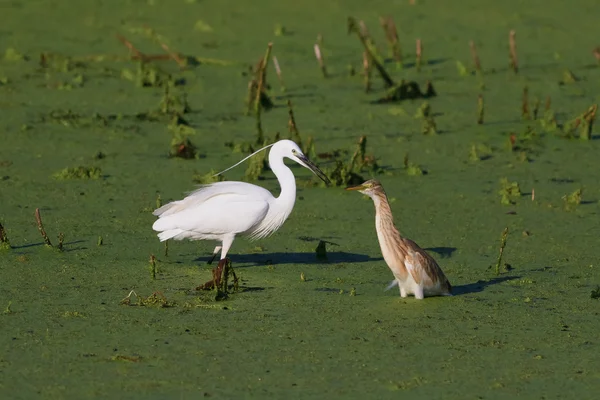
(525, 104)
(279, 74)
(391, 34)
(371, 51)
(292, 125)
(40, 225)
(367, 71)
(502, 245)
(480, 109)
(61, 239)
(475, 56)
(138, 54)
(262, 76)
(153, 266)
(319, 57)
(419, 52)
(512, 44)
(4, 242)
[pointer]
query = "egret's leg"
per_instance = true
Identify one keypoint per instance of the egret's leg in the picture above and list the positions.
(226, 245)
(215, 252)
(218, 271)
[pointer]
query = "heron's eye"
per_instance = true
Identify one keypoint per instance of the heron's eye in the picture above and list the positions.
(293, 151)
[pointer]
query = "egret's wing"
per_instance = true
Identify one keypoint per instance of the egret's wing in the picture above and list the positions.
(206, 192)
(218, 215)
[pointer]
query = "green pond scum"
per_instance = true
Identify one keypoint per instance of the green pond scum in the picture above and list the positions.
(106, 104)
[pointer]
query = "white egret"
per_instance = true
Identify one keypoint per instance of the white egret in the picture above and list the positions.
(220, 211)
(415, 271)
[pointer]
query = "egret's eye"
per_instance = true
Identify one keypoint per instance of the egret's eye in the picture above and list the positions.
(293, 151)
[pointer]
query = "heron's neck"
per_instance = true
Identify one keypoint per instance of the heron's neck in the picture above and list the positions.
(287, 182)
(384, 220)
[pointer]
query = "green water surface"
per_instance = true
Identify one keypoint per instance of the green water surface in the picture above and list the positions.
(531, 332)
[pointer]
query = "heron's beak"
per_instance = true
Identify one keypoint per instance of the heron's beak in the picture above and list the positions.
(310, 165)
(359, 187)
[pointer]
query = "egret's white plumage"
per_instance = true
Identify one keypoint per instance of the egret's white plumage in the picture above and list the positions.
(223, 210)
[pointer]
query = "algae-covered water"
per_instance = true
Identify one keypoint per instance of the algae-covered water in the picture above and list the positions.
(70, 97)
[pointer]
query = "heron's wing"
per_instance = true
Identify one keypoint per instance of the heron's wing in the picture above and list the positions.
(422, 266)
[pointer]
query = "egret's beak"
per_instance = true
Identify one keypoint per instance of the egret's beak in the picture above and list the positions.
(359, 187)
(310, 165)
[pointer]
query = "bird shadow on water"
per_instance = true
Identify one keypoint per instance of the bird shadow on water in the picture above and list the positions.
(480, 285)
(444, 252)
(333, 257)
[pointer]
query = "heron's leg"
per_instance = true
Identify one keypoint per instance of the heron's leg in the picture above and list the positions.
(402, 291)
(419, 292)
(214, 255)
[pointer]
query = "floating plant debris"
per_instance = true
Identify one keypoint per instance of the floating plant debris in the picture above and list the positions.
(80, 172)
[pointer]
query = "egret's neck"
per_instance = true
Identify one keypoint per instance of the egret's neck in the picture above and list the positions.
(287, 181)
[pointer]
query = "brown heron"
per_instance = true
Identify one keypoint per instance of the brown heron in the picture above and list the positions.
(415, 271)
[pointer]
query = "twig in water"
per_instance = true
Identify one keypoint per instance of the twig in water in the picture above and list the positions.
(371, 51)
(502, 245)
(525, 104)
(480, 109)
(319, 56)
(61, 239)
(262, 77)
(40, 225)
(153, 266)
(279, 74)
(367, 71)
(292, 125)
(391, 34)
(512, 43)
(475, 56)
(4, 242)
(138, 54)
(419, 53)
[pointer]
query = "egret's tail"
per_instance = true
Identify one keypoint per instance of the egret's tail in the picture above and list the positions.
(170, 234)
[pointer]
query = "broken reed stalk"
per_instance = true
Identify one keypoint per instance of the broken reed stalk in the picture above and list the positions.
(475, 56)
(262, 77)
(279, 74)
(502, 246)
(391, 34)
(4, 242)
(295, 134)
(525, 104)
(371, 52)
(512, 44)
(40, 225)
(596, 53)
(153, 266)
(61, 240)
(548, 103)
(367, 71)
(480, 109)
(419, 53)
(536, 108)
(588, 122)
(180, 61)
(319, 57)
(138, 54)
